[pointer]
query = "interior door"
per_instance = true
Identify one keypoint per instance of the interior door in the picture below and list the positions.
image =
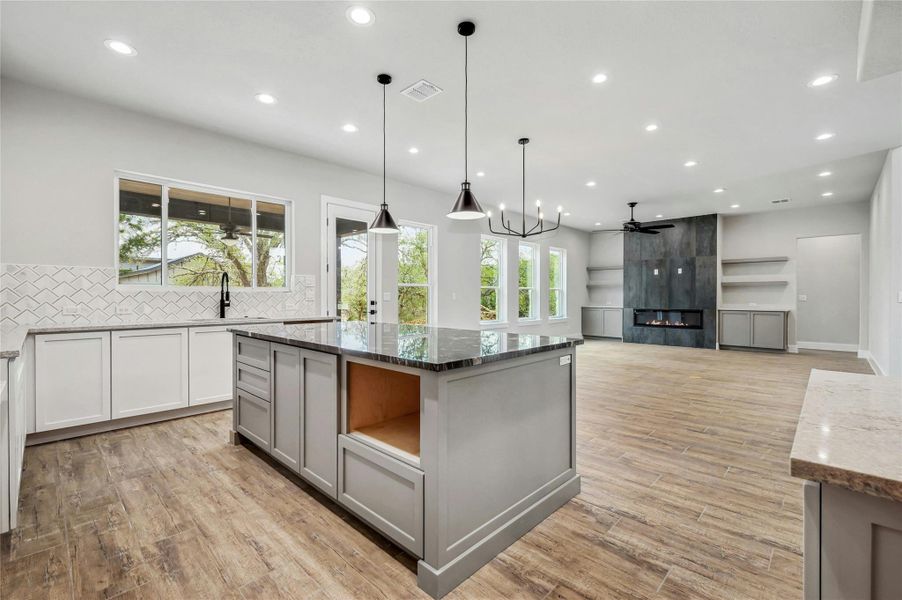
(828, 288)
(352, 266)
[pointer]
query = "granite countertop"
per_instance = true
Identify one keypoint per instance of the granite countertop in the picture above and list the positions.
(850, 433)
(418, 346)
(12, 339)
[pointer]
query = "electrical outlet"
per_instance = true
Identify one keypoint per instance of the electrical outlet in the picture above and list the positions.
(123, 310)
(656, 271)
(565, 360)
(70, 310)
(803, 297)
(899, 299)
(679, 270)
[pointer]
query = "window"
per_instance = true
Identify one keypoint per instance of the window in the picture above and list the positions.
(185, 236)
(415, 275)
(528, 300)
(557, 283)
(491, 295)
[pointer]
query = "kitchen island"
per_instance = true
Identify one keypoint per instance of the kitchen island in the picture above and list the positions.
(452, 443)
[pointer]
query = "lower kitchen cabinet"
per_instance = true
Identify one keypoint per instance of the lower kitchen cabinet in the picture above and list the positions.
(253, 418)
(602, 322)
(72, 379)
(209, 365)
(753, 329)
(149, 371)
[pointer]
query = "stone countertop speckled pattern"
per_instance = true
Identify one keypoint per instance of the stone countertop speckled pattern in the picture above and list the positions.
(850, 433)
(12, 339)
(418, 346)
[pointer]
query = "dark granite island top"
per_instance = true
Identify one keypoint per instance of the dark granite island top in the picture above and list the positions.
(430, 348)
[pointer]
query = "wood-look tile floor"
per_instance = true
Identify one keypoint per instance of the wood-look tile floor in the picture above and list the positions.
(686, 494)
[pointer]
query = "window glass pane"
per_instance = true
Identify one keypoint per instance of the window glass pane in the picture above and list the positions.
(351, 254)
(413, 255)
(526, 304)
(527, 272)
(488, 309)
(554, 269)
(413, 304)
(555, 303)
(140, 232)
(491, 262)
(271, 245)
(208, 234)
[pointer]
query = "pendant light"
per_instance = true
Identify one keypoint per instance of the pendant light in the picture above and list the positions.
(466, 207)
(539, 227)
(384, 223)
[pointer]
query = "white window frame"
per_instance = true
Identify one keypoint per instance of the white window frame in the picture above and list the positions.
(432, 275)
(167, 183)
(534, 307)
(563, 303)
(501, 287)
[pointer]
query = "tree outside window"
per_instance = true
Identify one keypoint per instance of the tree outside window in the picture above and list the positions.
(557, 277)
(414, 277)
(491, 293)
(528, 300)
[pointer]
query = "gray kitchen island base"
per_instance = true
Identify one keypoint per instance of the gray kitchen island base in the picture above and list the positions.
(453, 444)
(438, 582)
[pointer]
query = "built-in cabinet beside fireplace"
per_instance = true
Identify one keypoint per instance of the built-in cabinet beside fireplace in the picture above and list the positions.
(670, 284)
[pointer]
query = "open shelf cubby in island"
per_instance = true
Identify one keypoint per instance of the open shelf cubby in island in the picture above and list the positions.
(383, 407)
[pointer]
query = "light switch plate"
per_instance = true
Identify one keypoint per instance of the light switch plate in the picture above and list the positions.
(565, 360)
(803, 297)
(656, 271)
(679, 270)
(386, 296)
(899, 299)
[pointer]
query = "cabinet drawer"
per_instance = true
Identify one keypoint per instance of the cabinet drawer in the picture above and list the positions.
(253, 419)
(252, 352)
(253, 380)
(382, 491)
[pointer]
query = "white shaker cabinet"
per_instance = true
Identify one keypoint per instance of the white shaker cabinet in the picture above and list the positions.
(149, 371)
(72, 379)
(210, 365)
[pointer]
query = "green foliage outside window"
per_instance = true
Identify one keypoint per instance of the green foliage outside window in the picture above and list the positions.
(413, 275)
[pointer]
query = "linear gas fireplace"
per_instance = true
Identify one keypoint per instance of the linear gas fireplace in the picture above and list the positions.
(670, 318)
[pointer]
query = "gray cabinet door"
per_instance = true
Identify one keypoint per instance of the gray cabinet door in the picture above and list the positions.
(252, 418)
(593, 321)
(735, 328)
(286, 405)
(768, 330)
(613, 322)
(319, 420)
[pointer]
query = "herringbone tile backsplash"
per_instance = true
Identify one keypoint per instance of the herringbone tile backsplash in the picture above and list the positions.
(66, 295)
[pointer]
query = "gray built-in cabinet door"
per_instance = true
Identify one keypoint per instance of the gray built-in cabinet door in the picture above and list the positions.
(769, 330)
(735, 328)
(286, 401)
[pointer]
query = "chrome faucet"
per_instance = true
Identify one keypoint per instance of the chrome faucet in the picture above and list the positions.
(223, 294)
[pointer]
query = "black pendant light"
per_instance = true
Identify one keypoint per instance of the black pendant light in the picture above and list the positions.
(539, 227)
(466, 207)
(384, 223)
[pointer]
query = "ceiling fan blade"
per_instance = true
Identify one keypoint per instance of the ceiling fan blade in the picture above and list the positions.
(647, 231)
(664, 226)
(608, 230)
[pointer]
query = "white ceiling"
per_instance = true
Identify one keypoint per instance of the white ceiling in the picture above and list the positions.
(726, 81)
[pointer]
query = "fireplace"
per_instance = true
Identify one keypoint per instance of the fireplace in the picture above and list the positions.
(669, 318)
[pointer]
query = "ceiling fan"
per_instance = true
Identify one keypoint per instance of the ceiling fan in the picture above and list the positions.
(231, 231)
(634, 226)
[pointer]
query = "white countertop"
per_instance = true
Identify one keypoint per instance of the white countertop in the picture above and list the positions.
(761, 307)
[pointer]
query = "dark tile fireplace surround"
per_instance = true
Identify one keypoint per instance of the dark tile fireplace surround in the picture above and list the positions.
(670, 284)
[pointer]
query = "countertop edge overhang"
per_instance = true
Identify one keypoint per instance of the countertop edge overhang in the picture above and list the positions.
(14, 338)
(438, 367)
(850, 433)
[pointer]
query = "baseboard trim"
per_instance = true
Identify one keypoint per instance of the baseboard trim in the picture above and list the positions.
(872, 362)
(56, 435)
(827, 346)
(792, 349)
(438, 582)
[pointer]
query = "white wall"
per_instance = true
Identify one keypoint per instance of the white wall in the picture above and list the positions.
(885, 303)
(775, 233)
(59, 153)
(606, 250)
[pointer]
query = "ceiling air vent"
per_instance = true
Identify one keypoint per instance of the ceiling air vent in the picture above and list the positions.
(421, 91)
(780, 201)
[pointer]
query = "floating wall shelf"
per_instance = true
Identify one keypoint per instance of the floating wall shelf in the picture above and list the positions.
(604, 284)
(756, 259)
(606, 268)
(736, 280)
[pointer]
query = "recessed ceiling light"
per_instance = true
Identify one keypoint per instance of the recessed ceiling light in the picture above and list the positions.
(264, 98)
(414, 150)
(690, 163)
(359, 15)
(590, 184)
(659, 216)
(599, 78)
(598, 224)
(349, 128)
(822, 80)
(720, 190)
(827, 194)
(480, 174)
(651, 127)
(201, 212)
(825, 174)
(824, 136)
(566, 214)
(120, 47)
(734, 206)
(156, 205)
